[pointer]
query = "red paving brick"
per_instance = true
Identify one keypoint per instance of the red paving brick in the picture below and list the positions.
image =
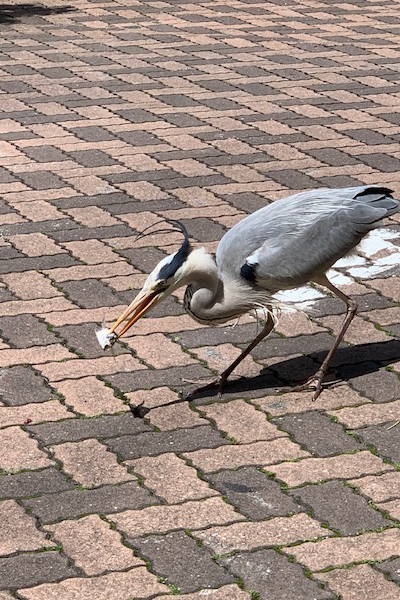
(116, 115)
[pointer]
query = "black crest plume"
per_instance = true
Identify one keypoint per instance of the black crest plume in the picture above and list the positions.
(169, 269)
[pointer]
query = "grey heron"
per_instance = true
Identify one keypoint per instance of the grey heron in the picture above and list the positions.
(284, 245)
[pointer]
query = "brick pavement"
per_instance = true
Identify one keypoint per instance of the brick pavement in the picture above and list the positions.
(114, 114)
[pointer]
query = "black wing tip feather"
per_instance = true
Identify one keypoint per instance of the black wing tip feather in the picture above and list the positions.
(375, 190)
(248, 272)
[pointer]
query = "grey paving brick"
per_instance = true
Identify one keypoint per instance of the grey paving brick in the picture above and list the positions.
(81, 339)
(73, 430)
(42, 180)
(177, 557)
(27, 570)
(253, 493)
(317, 433)
(27, 330)
(75, 503)
(45, 154)
(385, 440)
(149, 379)
(89, 293)
(340, 507)
(378, 385)
(34, 483)
(153, 443)
(22, 385)
(92, 158)
(273, 576)
(391, 568)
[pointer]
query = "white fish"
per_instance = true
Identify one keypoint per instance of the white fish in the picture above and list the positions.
(105, 338)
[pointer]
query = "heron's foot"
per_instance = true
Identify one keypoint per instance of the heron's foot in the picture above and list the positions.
(219, 382)
(314, 383)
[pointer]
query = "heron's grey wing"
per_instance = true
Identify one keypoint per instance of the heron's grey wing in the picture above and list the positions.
(292, 259)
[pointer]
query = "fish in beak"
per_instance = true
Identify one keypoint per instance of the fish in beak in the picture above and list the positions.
(137, 309)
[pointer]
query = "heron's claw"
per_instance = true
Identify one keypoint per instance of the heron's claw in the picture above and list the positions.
(313, 383)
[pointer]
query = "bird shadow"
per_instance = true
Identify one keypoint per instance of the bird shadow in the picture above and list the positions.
(349, 362)
(13, 13)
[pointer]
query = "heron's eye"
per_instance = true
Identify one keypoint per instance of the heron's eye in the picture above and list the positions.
(161, 286)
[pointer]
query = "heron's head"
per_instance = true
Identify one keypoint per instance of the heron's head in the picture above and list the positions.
(172, 272)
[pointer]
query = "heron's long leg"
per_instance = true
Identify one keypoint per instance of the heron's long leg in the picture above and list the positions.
(222, 379)
(315, 382)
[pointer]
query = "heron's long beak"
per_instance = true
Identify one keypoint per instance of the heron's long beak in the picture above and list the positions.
(140, 305)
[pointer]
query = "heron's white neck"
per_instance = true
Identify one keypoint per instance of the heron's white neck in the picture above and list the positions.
(211, 297)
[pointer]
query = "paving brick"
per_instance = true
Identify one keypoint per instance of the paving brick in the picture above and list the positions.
(379, 487)
(151, 444)
(35, 244)
(385, 440)
(93, 216)
(361, 332)
(192, 514)
(219, 357)
(90, 293)
(342, 551)
(92, 251)
(159, 351)
(25, 453)
(26, 330)
(241, 421)
(250, 535)
(380, 386)
(74, 369)
(33, 413)
(257, 453)
(316, 432)
(38, 307)
(391, 568)
(38, 210)
(266, 570)
(82, 339)
(93, 546)
(19, 532)
(253, 493)
(89, 463)
(32, 285)
(361, 580)
(73, 430)
(22, 385)
(166, 418)
(233, 592)
(293, 402)
(38, 354)
(33, 483)
(177, 557)
(75, 503)
(367, 414)
(182, 482)
(337, 504)
(392, 507)
(114, 586)
(318, 469)
(24, 570)
(97, 398)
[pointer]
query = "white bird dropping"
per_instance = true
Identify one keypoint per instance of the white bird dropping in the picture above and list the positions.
(105, 338)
